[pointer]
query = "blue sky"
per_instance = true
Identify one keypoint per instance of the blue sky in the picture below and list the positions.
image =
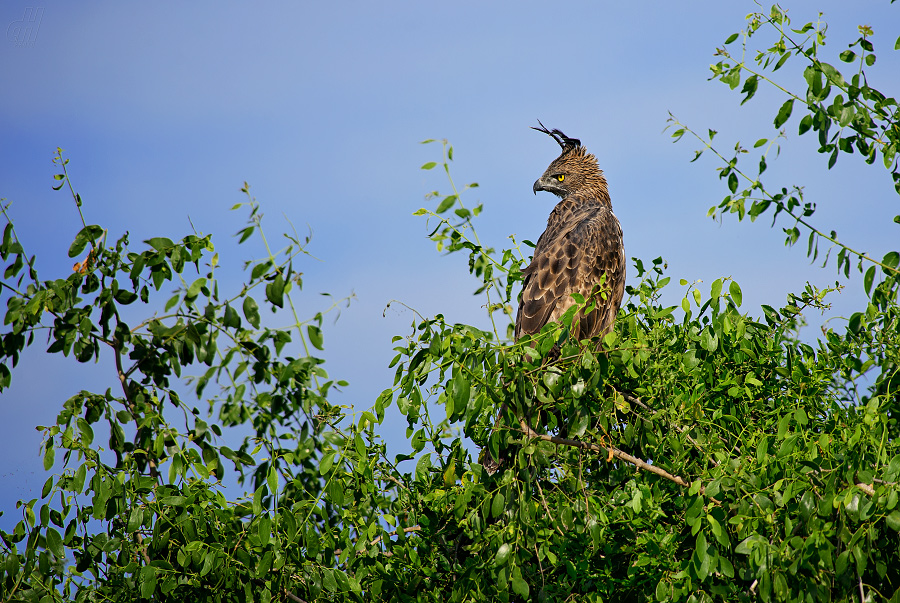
(165, 110)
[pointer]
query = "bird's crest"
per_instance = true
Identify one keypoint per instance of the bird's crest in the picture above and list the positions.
(562, 140)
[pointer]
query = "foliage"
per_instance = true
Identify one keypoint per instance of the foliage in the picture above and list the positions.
(696, 453)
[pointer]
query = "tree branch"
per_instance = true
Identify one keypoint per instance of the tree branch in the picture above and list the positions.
(619, 454)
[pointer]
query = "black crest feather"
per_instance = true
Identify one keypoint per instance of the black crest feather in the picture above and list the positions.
(562, 140)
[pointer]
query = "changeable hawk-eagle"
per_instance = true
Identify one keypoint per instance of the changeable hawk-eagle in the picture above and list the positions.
(582, 243)
(581, 251)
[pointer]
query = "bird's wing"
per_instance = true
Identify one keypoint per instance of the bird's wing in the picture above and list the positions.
(574, 260)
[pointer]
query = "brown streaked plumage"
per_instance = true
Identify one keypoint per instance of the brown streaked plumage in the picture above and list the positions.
(582, 243)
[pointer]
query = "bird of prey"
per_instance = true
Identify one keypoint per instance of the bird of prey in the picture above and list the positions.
(581, 251)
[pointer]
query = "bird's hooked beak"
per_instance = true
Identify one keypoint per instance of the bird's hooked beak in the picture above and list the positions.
(537, 186)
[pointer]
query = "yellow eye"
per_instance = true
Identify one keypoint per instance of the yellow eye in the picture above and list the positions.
(561, 177)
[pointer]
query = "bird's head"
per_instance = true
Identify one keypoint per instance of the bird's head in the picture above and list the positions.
(575, 170)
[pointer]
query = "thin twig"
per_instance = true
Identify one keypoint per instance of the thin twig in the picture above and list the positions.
(546, 508)
(293, 597)
(393, 479)
(144, 554)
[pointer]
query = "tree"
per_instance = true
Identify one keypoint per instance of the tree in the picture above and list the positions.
(708, 454)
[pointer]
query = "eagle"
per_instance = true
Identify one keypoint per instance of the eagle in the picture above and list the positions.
(581, 251)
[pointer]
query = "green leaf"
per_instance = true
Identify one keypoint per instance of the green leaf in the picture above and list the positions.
(664, 591)
(275, 291)
(423, 468)
(77, 483)
(840, 566)
(315, 336)
(460, 391)
(784, 113)
(750, 86)
(868, 279)
(209, 562)
(735, 290)
(446, 204)
(326, 463)
(77, 246)
(135, 518)
(49, 455)
(264, 529)
(328, 580)
(87, 432)
(55, 543)
(781, 587)
(498, 505)
(748, 543)
(709, 340)
(148, 578)
(502, 554)
(834, 76)
(48, 487)
(194, 290)
(890, 260)
(520, 587)
(245, 233)
(231, 318)
(160, 243)
(429, 165)
(732, 78)
(86, 235)
(125, 297)
(893, 521)
(272, 480)
(251, 312)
